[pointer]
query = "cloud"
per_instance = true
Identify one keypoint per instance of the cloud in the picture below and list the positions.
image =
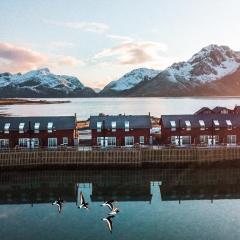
(96, 27)
(69, 61)
(14, 58)
(120, 38)
(133, 53)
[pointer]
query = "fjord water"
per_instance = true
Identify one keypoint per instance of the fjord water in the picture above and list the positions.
(84, 107)
(154, 204)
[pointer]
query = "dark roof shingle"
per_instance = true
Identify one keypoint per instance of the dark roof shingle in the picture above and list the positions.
(135, 121)
(59, 122)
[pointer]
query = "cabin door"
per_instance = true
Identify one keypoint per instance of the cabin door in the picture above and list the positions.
(106, 141)
(211, 140)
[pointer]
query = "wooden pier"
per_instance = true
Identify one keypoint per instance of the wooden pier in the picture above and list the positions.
(134, 157)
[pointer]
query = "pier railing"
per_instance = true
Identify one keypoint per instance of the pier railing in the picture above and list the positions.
(135, 157)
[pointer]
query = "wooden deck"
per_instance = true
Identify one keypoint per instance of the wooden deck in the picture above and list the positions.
(115, 157)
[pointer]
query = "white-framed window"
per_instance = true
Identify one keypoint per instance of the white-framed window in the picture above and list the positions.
(213, 140)
(188, 125)
(141, 140)
(186, 140)
(216, 124)
(4, 143)
(34, 143)
(112, 141)
(50, 127)
(202, 125)
(203, 139)
(114, 126)
(36, 127)
(231, 139)
(173, 125)
(23, 142)
(229, 124)
(99, 126)
(176, 140)
(6, 127)
(129, 141)
(126, 126)
(99, 141)
(52, 142)
(65, 140)
(21, 127)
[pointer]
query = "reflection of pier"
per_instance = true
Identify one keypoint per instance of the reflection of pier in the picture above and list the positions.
(129, 185)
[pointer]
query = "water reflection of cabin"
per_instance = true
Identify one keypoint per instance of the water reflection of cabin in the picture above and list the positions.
(202, 184)
(206, 127)
(121, 192)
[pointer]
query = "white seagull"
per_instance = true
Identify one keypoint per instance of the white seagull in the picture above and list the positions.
(59, 204)
(109, 222)
(113, 209)
(83, 204)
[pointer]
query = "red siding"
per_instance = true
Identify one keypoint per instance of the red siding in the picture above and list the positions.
(195, 134)
(120, 135)
(43, 136)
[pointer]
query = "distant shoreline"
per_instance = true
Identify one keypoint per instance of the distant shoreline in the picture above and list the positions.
(13, 101)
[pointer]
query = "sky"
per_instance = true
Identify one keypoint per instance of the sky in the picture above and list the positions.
(100, 40)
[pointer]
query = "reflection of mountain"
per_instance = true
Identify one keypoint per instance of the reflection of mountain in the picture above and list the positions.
(132, 185)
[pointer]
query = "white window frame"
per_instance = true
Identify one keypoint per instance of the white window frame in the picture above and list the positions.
(24, 142)
(50, 142)
(21, 127)
(34, 143)
(99, 126)
(231, 139)
(65, 141)
(175, 140)
(6, 127)
(141, 140)
(99, 141)
(184, 139)
(229, 125)
(50, 127)
(188, 125)
(203, 139)
(216, 124)
(114, 126)
(4, 143)
(112, 141)
(129, 139)
(127, 126)
(173, 125)
(36, 127)
(202, 125)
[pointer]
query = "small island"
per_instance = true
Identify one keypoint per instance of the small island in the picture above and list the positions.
(12, 101)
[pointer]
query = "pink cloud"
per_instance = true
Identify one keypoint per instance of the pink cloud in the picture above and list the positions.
(14, 58)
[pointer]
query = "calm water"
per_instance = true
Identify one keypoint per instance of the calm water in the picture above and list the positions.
(154, 204)
(84, 107)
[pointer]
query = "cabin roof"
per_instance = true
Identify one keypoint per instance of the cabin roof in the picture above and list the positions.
(207, 118)
(59, 122)
(135, 121)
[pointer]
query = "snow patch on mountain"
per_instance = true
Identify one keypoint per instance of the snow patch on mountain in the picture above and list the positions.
(132, 78)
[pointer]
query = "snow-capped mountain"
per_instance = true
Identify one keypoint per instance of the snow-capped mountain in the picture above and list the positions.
(40, 83)
(211, 63)
(131, 79)
(202, 71)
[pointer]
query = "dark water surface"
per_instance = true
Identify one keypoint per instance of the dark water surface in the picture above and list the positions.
(153, 203)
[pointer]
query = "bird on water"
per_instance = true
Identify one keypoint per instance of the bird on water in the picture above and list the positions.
(83, 203)
(59, 204)
(108, 220)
